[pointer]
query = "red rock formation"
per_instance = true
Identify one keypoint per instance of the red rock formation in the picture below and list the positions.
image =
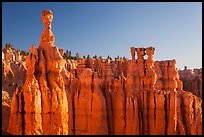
(150, 74)
(9, 55)
(189, 111)
(89, 63)
(44, 95)
(18, 56)
(82, 104)
(89, 105)
(140, 66)
(80, 67)
(192, 80)
(131, 79)
(61, 51)
(15, 126)
(6, 104)
(139, 96)
(159, 83)
(131, 116)
(132, 49)
(106, 70)
(172, 72)
(118, 106)
(13, 75)
(99, 117)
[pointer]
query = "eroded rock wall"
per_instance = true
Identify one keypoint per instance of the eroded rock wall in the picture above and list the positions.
(137, 96)
(192, 80)
(13, 75)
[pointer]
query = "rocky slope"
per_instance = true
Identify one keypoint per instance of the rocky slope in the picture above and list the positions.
(137, 96)
(13, 75)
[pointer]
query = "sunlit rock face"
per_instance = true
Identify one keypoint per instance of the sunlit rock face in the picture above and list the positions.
(43, 97)
(95, 96)
(13, 75)
(9, 54)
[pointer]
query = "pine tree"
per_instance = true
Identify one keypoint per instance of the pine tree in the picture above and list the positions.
(77, 56)
(9, 45)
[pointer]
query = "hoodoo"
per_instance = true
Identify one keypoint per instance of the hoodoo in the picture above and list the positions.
(43, 99)
(95, 96)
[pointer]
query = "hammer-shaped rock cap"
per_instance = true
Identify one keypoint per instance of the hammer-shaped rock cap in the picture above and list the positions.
(47, 16)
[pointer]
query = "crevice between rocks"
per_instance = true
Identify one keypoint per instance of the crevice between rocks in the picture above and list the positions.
(166, 115)
(23, 115)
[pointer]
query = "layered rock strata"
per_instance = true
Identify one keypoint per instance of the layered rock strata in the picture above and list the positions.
(13, 75)
(6, 104)
(137, 96)
(192, 80)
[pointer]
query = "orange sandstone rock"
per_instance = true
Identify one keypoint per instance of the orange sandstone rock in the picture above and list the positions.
(15, 126)
(6, 104)
(172, 73)
(44, 95)
(13, 75)
(150, 77)
(82, 104)
(99, 115)
(192, 80)
(118, 106)
(159, 83)
(96, 96)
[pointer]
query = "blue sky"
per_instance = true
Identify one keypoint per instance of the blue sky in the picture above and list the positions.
(174, 29)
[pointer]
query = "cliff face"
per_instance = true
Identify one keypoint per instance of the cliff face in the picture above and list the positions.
(192, 81)
(90, 106)
(13, 75)
(6, 104)
(137, 96)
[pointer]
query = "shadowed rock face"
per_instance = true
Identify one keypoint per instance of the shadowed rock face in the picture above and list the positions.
(6, 104)
(137, 96)
(13, 75)
(192, 80)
